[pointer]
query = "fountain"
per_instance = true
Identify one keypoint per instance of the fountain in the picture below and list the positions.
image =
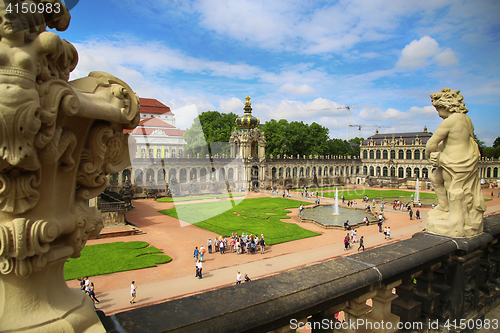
(336, 207)
(322, 215)
(417, 192)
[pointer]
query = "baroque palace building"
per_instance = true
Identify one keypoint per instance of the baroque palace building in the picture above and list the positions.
(161, 167)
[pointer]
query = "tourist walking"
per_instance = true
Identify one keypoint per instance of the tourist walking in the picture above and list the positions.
(133, 292)
(222, 247)
(388, 233)
(238, 278)
(196, 253)
(209, 245)
(92, 294)
(346, 242)
(417, 214)
(202, 252)
(262, 243)
(411, 214)
(199, 269)
(361, 243)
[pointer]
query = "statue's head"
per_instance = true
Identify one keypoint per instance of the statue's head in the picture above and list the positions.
(449, 99)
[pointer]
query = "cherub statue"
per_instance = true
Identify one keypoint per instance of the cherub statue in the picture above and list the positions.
(453, 151)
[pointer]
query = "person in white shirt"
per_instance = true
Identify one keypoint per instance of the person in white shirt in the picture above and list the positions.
(238, 278)
(133, 292)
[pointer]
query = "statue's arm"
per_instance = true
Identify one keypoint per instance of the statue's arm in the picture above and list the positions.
(48, 42)
(439, 135)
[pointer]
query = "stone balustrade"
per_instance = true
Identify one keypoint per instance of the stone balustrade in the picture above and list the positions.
(418, 283)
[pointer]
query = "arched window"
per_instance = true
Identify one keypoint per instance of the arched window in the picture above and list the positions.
(230, 174)
(416, 172)
(416, 154)
(372, 154)
(336, 171)
(378, 154)
(331, 171)
(357, 170)
(365, 170)
(378, 171)
(138, 176)
(222, 174)
(425, 173)
(385, 155)
(273, 172)
(401, 155)
(365, 154)
(423, 155)
(183, 175)
(408, 172)
(341, 171)
(308, 172)
(288, 172)
(203, 175)
(280, 172)
(372, 172)
(393, 172)
(319, 171)
(347, 171)
(193, 174)
(301, 172)
(488, 173)
(385, 172)
(393, 154)
(294, 172)
(172, 175)
(495, 172)
(401, 172)
(408, 154)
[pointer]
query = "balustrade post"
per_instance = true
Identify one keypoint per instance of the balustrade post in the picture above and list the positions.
(325, 321)
(288, 328)
(405, 306)
(381, 310)
(357, 310)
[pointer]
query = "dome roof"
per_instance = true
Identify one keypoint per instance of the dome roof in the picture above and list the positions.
(247, 121)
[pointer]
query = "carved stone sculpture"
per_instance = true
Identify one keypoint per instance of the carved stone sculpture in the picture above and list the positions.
(453, 151)
(58, 141)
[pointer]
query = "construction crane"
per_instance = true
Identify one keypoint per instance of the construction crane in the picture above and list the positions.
(340, 107)
(368, 125)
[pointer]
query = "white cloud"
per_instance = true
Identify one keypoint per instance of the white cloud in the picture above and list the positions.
(416, 53)
(300, 90)
(446, 58)
(424, 51)
(230, 105)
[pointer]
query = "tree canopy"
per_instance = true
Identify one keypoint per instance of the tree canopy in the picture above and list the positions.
(282, 137)
(208, 129)
(296, 138)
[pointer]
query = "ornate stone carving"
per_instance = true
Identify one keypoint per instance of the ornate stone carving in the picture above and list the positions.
(455, 154)
(58, 142)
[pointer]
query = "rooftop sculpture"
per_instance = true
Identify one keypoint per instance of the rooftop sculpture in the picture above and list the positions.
(453, 151)
(58, 141)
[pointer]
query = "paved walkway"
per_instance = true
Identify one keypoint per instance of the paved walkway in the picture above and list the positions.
(176, 279)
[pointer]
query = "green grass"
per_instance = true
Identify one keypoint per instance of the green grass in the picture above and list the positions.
(256, 216)
(113, 257)
(201, 197)
(360, 193)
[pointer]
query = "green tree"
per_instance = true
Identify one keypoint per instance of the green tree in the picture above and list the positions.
(497, 152)
(209, 128)
(489, 152)
(496, 143)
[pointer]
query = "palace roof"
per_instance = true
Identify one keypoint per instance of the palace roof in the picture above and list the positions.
(150, 105)
(407, 137)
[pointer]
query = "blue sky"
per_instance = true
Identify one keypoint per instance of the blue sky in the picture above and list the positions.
(386, 57)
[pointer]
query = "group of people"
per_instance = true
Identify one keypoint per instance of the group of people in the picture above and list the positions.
(238, 278)
(351, 237)
(88, 287)
(286, 192)
(248, 244)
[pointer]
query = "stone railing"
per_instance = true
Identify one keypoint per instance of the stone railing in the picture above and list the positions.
(419, 283)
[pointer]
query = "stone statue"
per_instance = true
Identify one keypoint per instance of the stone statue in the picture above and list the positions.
(453, 151)
(58, 142)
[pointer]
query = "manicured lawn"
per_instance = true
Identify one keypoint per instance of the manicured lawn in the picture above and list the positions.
(201, 197)
(360, 193)
(113, 257)
(253, 216)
